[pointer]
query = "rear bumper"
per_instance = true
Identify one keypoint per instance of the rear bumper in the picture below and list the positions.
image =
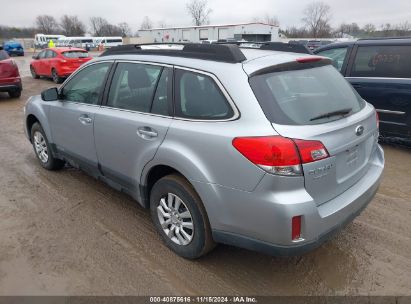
(261, 220)
(10, 84)
(65, 71)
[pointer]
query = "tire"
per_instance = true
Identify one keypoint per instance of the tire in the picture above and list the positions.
(33, 73)
(42, 149)
(56, 78)
(15, 94)
(169, 189)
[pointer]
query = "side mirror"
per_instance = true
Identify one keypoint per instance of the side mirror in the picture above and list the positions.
(35, 57)
(50, 94)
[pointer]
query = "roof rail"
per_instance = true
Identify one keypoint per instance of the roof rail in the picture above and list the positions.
(215, 52)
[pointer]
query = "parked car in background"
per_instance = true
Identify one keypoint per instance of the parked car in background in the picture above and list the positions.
(263, 150)
(10, 80)
(278, 46)
(380, 71)
(315, 44)
(13, 48)
(58, 63)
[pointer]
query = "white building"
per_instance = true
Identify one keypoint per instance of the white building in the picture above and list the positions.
(245, 31)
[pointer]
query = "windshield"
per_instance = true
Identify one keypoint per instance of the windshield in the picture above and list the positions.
(305, 97)
(75, 54)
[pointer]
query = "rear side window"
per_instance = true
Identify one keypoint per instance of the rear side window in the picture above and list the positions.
(133, 86)
(337, 55)
(75, 54)
(382, 61)
(3, 55)
(197, 96)
(299, 97)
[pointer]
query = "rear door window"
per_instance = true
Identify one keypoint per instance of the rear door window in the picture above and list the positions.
(197, 96)
(382, 61)
(299, 97)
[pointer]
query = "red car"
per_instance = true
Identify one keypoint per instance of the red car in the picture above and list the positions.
(10, 80)
(58, 63)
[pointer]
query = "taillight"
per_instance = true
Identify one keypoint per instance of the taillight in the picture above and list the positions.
(378, 119)
(280, 155)
(296, 228)
(311, 150)
(309, 59)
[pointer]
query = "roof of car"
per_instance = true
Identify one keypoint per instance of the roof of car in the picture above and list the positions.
(66, 49)
(368, 41)
(254, 59)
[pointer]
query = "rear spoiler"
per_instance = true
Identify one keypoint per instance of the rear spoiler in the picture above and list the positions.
(299, 64)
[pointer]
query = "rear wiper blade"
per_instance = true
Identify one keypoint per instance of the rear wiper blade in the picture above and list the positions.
(334, 113)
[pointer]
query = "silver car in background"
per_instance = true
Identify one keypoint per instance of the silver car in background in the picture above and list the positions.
(264, 150)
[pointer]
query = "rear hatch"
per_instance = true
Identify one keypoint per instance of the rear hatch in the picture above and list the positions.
(309, 100)
(76, 58)
(8, 68)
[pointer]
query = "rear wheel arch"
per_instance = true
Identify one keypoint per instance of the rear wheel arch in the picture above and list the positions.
(154, 174)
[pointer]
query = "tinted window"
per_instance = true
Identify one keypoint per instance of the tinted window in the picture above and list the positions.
(75, 54)
(296, 97)
(198, 97)
(337, 55)
(382, 61)
(160, 102)
(133, 86)
(86, 86)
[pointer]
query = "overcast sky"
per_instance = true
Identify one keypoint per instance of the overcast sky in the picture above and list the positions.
(289, 12)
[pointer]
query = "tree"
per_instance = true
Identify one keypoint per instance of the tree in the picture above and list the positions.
(98, 26)
(72, 26)
(317, 19)
(146, 24)
(403, 28)
(198, 11)
(271, 20)
(124, 29)
(369, 28)
(46, 24)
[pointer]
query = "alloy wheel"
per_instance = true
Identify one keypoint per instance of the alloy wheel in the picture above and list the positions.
(41, 147)
(175, 219)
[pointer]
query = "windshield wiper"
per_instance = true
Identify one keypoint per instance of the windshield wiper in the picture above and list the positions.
(334, 113)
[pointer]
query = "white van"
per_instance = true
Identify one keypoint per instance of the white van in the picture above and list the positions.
(41, 40)
(80, 42)
(108, 42)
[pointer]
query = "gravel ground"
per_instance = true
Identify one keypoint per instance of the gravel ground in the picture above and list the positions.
(64, 233)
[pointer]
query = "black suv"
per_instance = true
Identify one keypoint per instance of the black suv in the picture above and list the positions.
(380, 70)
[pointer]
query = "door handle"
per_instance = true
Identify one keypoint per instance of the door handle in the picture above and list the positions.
(357, 86)
(146, 133)
(85, 120)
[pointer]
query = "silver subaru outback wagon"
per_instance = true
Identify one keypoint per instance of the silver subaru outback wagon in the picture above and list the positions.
(264, 150)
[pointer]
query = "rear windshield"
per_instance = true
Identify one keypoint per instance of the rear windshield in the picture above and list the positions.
(75, 54)
(3, 55)
(301, 97)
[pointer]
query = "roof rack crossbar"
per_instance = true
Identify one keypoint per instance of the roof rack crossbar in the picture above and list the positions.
(215, 52)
